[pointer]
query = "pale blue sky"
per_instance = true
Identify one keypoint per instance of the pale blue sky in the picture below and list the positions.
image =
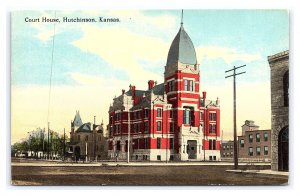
(93, 62)
(249, 31)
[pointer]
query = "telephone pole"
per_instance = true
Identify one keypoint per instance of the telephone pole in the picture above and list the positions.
(234, 112)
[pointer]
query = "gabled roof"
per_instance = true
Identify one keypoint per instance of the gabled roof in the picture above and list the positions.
(159, 89)
(86, 127)
(182, 49)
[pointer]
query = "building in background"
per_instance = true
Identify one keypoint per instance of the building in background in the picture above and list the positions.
(226, 150)
(279, 64)
(254, 144)
(168, 121)
(87, 140)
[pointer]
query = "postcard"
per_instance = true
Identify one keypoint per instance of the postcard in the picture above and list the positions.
(149, 97)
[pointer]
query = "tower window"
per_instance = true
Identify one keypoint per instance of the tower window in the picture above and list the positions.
(212, 128)
(158, 125)
(188, 85)
(159, 112)
(171, 86)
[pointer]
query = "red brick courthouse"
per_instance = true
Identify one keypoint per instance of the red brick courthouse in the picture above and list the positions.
(167, 121)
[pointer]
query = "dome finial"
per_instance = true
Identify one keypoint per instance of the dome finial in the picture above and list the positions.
(181, 18)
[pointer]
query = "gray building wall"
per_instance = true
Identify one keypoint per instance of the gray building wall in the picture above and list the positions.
(279, 65)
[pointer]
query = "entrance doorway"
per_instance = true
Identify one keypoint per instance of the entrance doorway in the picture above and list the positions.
(192, 149)
(77, 153)
(283, 149)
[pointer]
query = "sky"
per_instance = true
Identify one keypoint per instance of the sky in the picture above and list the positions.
(93, 62)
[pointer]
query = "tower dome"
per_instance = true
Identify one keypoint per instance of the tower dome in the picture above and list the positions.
(182, 49)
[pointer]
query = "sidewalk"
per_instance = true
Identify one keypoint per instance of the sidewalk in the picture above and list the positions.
(268, 172)
(50, 163)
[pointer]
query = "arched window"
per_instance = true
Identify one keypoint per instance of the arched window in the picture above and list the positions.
(286, 89)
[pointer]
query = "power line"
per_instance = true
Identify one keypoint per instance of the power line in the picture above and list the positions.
(51, 69)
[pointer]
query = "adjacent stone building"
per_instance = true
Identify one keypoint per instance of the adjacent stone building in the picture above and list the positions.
(279, 64)
(87, 141)
(254, 145)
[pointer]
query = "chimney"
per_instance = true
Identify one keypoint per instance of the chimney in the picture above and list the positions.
(123, 91)
(204, 95)
(94, 125)
(133, 91)
(150, 84)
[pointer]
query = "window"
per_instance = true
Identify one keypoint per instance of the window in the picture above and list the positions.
(191, 85)
(201, 115)
(86, 138)
(250, 138)
(171, 127)
(212, 116)
(99, 138)
(266, 150)
(118, 145)
(212, 145)
(158, 125)
(224, 147)
(145, 113)
(171, 143)
(258, 151)
(171, 113)
(171, 85)
(187, 116)
(134, 115)
(265, 137)
(257, 137)
(135, 128)
(212, 128)
(139, 127)
(146, 142)
(186, 85)
(146, 126)
(139, 114)
(158, 112)
(242, 143)
(158, 143)
(158, 157)
(286, 89)
(78, 137)
(250, 153)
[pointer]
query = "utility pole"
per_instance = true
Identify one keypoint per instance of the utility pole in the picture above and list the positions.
(64, 146)
(48, 142)
(234, 112)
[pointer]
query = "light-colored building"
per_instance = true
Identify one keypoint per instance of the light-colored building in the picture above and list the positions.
(279, 64)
